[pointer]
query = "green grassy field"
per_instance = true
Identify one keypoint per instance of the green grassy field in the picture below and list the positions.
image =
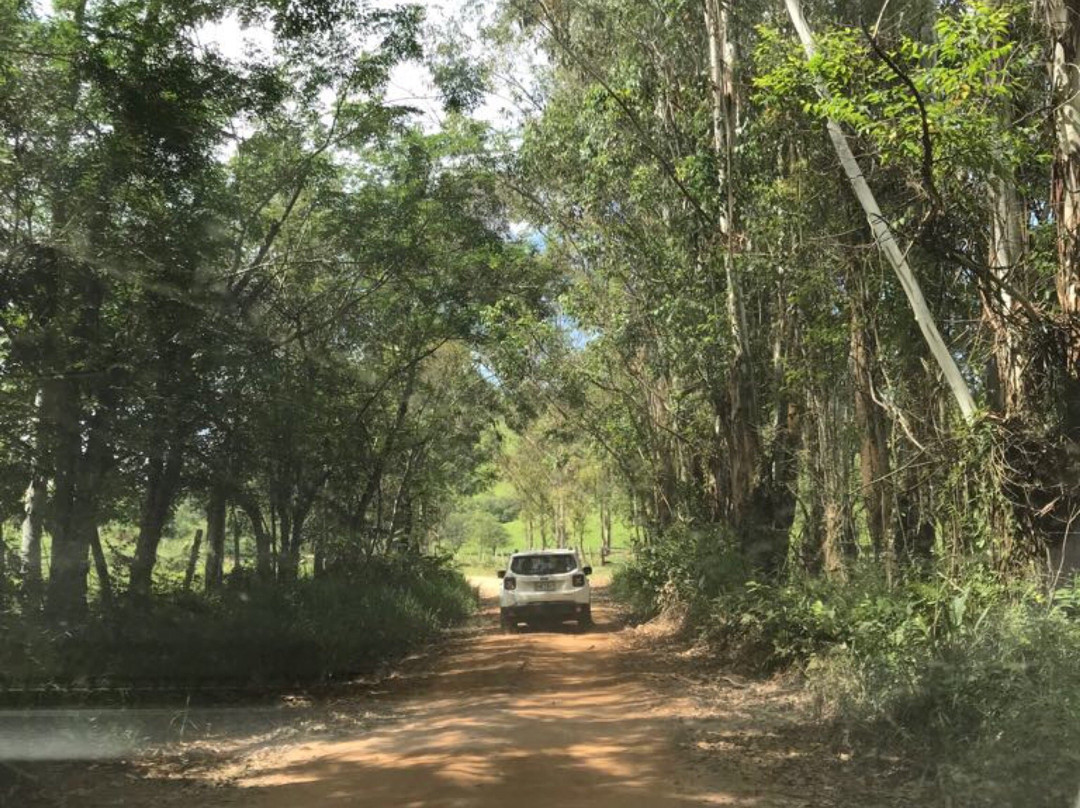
(118, 541)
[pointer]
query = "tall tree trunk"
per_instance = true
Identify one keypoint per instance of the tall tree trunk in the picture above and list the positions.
(886, 240)
(82, 472)
(1006, 258)
(69, 562)
(1063, 17)
(766, 538)
(1008, 243)
(831, 483)
(215, 538)
(873, 429)
(34, 503)
(737, 408)
(811, 499)
(605, 532)
(288, 565)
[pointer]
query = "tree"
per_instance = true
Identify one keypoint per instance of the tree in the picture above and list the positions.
(488, 532)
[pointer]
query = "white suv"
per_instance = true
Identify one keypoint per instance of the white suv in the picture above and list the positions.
(544, 583)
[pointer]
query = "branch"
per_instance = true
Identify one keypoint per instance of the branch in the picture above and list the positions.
(927, 143)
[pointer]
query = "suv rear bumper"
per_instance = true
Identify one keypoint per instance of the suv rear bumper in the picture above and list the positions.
(548, 608)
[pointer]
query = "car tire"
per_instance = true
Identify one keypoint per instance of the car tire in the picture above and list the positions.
(507, 623)
(585, 620)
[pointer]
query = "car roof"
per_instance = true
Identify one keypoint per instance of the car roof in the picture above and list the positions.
(556, 551)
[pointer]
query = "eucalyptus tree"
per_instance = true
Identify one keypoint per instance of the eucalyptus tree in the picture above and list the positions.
(738, 323)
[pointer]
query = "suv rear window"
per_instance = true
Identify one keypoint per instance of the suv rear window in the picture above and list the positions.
(543, 564)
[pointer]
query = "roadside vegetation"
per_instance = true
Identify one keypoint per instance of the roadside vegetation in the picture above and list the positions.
(243, 638)
(970, 676)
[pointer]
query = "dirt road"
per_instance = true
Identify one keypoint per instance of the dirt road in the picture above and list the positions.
(541, 718)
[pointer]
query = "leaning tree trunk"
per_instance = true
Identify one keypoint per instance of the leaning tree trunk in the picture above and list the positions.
(163, 481)
(101, 568)
(193, 560)
(886, 239)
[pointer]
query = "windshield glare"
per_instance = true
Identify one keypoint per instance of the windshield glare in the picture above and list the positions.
(543, 564)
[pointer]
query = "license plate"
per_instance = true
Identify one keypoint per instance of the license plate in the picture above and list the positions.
(545, 586)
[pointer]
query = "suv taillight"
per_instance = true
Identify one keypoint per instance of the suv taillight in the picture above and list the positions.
(509, 583)
(578, 580)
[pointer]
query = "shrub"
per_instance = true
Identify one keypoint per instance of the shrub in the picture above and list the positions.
(313, 630)
(686, 565)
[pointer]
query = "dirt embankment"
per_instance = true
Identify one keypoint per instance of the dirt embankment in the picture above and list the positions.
(611, 718)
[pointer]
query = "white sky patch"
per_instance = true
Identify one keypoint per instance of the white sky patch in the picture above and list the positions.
(412, 84)
(507, 104)
(235, 41)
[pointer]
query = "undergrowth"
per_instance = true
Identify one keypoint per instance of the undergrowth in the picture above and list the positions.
(311, 631)
(975, 677)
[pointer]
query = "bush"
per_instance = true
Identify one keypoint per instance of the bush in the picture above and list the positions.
(314, 630)
(996, 707)
(685, 566)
